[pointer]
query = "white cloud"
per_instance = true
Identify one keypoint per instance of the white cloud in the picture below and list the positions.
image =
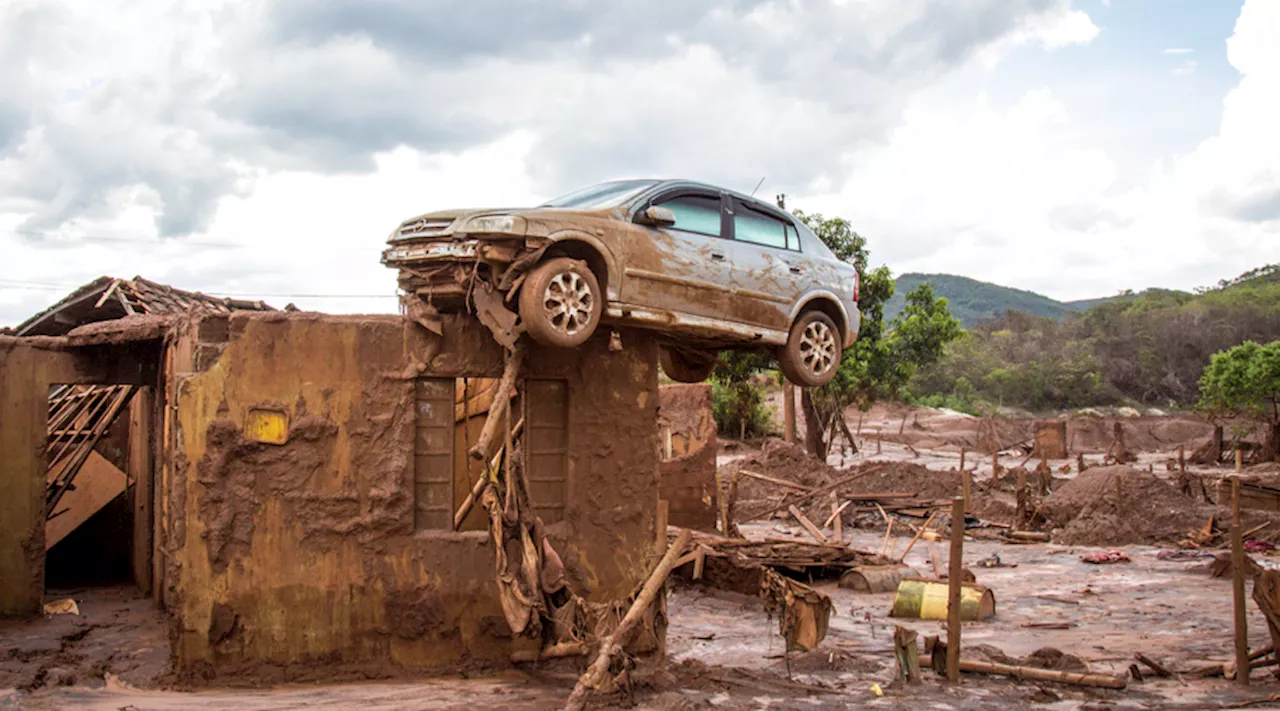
(1187, 67)
(1177, 50)
(1018, 194)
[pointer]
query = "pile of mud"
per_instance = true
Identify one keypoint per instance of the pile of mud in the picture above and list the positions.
(904, 478)
(781, 460)
(1088, 510)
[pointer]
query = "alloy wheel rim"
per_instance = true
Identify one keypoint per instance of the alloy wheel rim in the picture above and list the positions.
(568, 302)
(817, 348)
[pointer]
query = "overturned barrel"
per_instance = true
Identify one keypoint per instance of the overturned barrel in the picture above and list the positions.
(927, 600)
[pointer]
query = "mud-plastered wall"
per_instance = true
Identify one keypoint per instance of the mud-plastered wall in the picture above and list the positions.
(290, 497)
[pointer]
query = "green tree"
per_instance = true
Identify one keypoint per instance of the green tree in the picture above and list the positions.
(738, 405)
(1245, 380)
(880, 363)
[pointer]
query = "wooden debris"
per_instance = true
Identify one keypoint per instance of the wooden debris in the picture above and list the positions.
(1159, 670)
(1104, 681)
(803, 613)
(774, 480)
(919, 533)
(611, 646)
(808, 525)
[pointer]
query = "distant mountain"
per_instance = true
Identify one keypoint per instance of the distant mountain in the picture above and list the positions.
(972, 301)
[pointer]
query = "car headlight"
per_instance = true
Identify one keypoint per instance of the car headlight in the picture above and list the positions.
(501, 224)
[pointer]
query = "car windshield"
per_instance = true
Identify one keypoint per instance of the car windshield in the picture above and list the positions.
(602, 195)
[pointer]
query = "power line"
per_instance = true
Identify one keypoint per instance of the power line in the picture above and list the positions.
(72, 239)
(32, 286)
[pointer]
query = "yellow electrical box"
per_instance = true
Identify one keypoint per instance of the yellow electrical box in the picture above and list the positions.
(270, 426)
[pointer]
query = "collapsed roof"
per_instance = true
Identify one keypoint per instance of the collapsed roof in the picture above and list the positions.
(108, 298)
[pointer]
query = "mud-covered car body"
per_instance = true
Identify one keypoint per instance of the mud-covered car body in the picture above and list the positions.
(719, 270)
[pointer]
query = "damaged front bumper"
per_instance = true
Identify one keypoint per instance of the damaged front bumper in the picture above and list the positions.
(400, 255)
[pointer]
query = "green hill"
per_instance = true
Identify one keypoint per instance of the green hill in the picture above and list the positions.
(972, 300)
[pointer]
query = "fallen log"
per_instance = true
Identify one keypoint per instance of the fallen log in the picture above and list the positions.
(611, 647)
(1159, 670)
(1102, 681)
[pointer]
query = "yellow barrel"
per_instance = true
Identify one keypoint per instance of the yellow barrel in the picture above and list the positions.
(927, 600)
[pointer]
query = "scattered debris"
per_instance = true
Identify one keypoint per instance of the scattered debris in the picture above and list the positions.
(65, 606)
(876, 578)
(1105, 558)
(803, 613)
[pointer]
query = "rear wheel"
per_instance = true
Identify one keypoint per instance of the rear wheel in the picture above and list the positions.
(812, 353)
(560, 303)
(685, 367)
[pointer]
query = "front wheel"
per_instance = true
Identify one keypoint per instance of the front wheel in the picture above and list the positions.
(560, 303)
(684, 367)
(812, 353)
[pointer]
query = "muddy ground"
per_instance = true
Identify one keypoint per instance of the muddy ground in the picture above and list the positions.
(724, 651)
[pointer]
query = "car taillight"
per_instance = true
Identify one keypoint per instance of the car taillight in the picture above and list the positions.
(857, 285)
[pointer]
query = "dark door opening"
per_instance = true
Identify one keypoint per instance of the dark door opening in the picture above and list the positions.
(99, 471)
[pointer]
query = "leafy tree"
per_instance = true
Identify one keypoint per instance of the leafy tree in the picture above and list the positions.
(1245, 380)
(879, 364)
(737, 403)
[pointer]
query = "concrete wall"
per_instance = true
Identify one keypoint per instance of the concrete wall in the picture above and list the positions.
(688, 469)
(305, 554)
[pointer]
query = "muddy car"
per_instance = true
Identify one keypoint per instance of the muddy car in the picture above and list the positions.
(707, 268)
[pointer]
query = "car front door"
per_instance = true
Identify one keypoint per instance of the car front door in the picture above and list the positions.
(769, 270)
(686, 267)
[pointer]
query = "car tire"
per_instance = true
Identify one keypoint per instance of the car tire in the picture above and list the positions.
(560, 303)
(683, 368)
(811, 356)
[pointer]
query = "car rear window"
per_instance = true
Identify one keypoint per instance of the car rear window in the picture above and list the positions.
(759, 228)
(695, 213)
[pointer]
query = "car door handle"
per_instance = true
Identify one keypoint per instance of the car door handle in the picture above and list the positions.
(795, 269)
(717, 255)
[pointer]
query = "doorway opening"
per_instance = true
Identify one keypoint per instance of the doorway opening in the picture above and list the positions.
(98, 476)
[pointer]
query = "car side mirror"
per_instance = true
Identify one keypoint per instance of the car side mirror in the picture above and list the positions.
(655, 216)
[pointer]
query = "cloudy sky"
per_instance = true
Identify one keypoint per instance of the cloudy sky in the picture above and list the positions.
(265, 148)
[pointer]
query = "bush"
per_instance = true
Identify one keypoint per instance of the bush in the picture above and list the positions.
(739, 408)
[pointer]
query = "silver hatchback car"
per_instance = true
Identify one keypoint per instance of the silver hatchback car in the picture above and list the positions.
(705, 267)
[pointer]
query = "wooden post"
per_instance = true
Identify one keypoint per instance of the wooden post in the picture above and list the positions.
(660, 525)
(837, 521)
(789, 411)
(955, 577)
(995, 463)
(966, 485)
(1182, 459)
(877, 440)
(722, 504)
(1022, 500)
(962, 459)
(1079, 462)
(1237, 587)
(1119, 494)
(1239, 461)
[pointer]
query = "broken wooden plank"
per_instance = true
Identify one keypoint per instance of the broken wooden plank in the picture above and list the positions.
(774, 480)
(808, 525)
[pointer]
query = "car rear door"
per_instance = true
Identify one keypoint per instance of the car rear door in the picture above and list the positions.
(770, 272)
(686, 267)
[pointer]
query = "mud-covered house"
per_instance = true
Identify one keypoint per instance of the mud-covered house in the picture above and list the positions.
(294, 487)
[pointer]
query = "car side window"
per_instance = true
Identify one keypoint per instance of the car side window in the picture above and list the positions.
(695, 213)
(759, 228)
